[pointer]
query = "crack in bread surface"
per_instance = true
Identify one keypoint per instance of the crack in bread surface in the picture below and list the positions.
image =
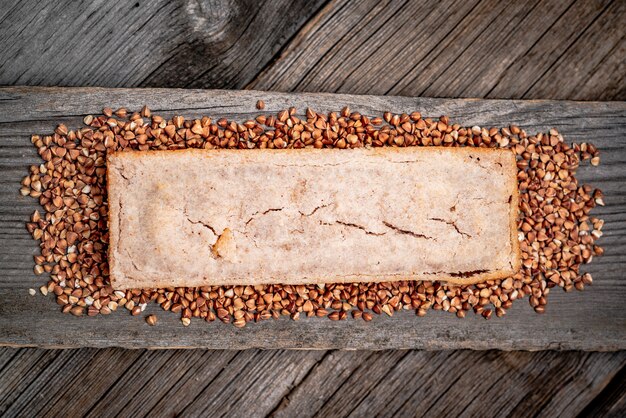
(452, 224)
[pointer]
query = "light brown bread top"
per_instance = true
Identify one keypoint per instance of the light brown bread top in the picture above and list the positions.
(231, 217)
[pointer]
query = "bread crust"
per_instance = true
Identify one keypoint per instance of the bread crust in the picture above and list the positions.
(121, 264)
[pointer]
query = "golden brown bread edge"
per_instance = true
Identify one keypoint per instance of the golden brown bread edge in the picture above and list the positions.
(473, 279)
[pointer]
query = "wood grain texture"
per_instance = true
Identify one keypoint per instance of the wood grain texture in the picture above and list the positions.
(181, 43)
(205, 383)
(334, 369)
(282, 383)
(592, 320)
(257, 373)
(433, 32)
(502, 384)
(495, 49)
(160, 382)
(611, 402)
(586, 55)
(38, 372)
(149, 383)
(25, 367)
(553, 48)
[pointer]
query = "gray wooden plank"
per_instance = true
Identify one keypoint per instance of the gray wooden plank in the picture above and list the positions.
(342, 383)
(546, 384)
(52, 373)
(489, 48)
(500, 46)
(514, 81)
(83, 383)
(608, 80)
(473, 50)
(361, 382)
(158, 382)
(453, 383)
(6, 355)
(256, 31)
(135, 381)
(178, 43)
(580, 60)
(361, 48)
(21, 369)
(389, 42)
(579, 387)
(322, 382)
(611, 402)
(252, 385)
(494, 375)
(167, 384)
(573, 321)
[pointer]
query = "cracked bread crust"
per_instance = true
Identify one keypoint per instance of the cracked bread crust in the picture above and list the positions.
(229, 217)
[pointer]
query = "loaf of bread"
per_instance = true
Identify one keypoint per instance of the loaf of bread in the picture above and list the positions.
(231, 217)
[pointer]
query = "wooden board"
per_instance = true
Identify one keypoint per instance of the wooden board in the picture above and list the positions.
(307, 383)
(569, 49)
(153, 43)
(502, 384)
(592, 320)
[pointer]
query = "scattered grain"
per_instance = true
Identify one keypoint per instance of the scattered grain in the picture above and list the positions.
(151, 319)
(72, 230)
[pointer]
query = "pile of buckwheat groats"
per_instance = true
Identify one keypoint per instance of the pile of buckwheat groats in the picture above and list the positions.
(556, 233)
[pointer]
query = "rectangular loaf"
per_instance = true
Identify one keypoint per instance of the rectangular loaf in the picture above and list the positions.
(231, 217)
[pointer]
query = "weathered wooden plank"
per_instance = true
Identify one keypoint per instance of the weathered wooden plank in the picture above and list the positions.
(589, 320)
(496, 49)
(6, 355)
(341, 383)
(242, 390)
(138, 380)
(323, 381)
(139, 383)
(452, 383)
(145, 43)
(600, 38)
(83, 381)
(520, 57)
(580, 384)
(511, 384)
(53, 374)
(607, 80)
(361, 382)
(611, 402)
(481, 51)
(555, 38)
(346, 48)
(166, 383)
(24, 366)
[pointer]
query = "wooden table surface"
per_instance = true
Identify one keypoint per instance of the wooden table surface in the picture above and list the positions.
(477, 48)
(572, 320)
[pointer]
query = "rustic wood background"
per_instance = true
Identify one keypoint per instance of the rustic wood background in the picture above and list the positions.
(477, 48)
